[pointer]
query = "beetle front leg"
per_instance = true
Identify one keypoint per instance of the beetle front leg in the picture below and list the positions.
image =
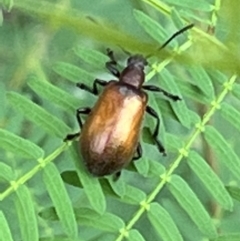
(112, 64)
(154, 114)
(94, 89)
(79, 112)
(157, 89)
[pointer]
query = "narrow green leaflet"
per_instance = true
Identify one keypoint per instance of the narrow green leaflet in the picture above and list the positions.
(179, 107)
(6, 172)
(228, 237)
(199, 5)
(219, 77)
(59, 238)
(106, 222)
(176, 18)
(93, 57)
(163, 223)
(192, 92)
(236, 90)
(1, 17)
(133, 195)
(19, 146)
(210, 180)
(118, 186)
(2, 99)
(202, 80)
(60, 199)
(91, 185)
(194, 17)
(151, 27)
(134, 235)
(155, 168)
(38, 115)
(174, 141)
(234, 192)
(191, 204)
(142, 166)
(231, 114)
(225, 153)
(72, 72)
(27, 216)
(5, 232)
(54, 94)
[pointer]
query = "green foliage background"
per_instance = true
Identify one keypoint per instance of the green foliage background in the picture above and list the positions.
(46, 193)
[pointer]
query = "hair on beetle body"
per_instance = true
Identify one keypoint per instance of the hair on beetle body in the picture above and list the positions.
(110, 135)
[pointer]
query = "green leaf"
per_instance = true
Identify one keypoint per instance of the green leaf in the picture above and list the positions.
(6, 171)
(179, 107)
(19, 146)
(26, 214)
(174, 142)
(236, 89)
(231, 114)
(202, 80)
(142, 166)
(199, 5)
(192, 205)
(194, 17)
(95, 58)
(134, 235)
(60, 199)
(91, 184)
(210, 180)
(151, 27)
(106, 222)
(118, 186)
(155, 168)
(53, 94)
(224, 151)
(133, 195)
(73, 73)
(228, 237)
(192, 91)
(38, 115)
(176, 18)
(163, 223)
(5, 232)
(234, 192)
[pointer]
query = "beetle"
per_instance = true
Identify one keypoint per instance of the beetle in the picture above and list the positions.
(110, 135)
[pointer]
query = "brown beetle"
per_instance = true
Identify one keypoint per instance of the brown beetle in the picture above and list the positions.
(110, 135)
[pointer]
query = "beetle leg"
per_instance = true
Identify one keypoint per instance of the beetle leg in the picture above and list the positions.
(157, 89)
(139, 152)
(94, 90)
(154, 114)
(112, 64)
(80, 111)
(70, 137)
(116, 175)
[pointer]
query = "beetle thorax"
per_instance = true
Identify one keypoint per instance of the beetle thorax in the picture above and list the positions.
(132, 76)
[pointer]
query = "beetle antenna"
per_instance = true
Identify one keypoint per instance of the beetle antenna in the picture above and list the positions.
(173, 36)
(176, 34)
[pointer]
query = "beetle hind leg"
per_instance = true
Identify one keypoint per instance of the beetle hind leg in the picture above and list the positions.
(79, 112)
(138, 153)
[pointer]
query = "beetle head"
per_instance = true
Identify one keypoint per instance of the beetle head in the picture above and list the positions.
(133, 74)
